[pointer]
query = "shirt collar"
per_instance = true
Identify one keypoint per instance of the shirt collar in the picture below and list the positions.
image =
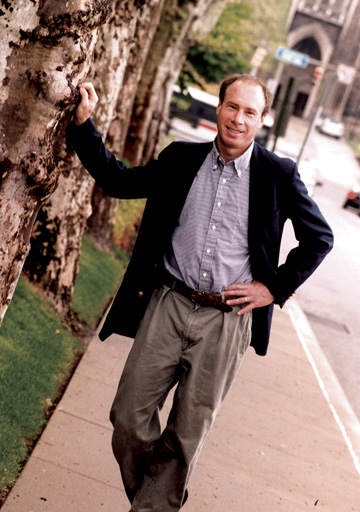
(241, 164)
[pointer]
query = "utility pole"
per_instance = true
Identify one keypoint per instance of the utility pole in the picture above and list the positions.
(329, 81)
(284, 113)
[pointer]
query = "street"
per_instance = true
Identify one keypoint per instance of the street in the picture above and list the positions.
(331, 297)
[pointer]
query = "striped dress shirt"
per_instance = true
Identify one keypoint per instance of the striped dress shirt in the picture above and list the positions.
(210, 242)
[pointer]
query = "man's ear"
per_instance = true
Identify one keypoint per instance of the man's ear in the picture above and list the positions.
(261, 120)
(218, 107)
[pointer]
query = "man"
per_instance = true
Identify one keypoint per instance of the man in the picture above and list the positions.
(201, 283)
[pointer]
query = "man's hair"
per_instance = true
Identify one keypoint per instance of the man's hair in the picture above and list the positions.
(250, 79)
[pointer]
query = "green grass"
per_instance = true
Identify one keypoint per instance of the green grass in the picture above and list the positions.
(129, 214)
(97, 282)
(37, 352)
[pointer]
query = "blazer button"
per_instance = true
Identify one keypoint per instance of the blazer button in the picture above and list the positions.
(141, 294)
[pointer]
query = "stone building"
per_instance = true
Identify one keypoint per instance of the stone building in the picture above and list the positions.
(329, 32)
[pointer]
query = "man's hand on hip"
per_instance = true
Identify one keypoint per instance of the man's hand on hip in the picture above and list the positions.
(252, 295)
(87, 103)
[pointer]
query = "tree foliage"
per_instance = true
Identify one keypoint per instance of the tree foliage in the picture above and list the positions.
(240, 29)
(223, 50)
(267, 24)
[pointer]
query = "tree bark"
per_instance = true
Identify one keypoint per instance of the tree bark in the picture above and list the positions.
(182, 23)
(45, 50)
(56, 242)
(62, 223)
(101, 223)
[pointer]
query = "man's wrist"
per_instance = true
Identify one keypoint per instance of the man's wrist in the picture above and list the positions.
(79, 121)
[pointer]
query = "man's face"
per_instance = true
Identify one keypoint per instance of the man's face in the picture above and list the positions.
(239, 116)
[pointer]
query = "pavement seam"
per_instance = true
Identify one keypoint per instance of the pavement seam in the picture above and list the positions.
(65, 468)
(343, 412)
(96, 424)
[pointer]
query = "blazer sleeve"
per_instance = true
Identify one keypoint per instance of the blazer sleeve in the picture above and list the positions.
(113, 176)
(314, 236)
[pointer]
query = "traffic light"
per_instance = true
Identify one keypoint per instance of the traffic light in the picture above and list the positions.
(317, 75)
(258, 57)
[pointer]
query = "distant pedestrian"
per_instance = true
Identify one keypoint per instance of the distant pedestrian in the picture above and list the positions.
(202, 281)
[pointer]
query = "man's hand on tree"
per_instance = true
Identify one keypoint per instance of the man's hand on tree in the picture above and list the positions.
(87, 103)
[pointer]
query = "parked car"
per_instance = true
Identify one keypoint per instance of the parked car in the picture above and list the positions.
(353, 198)
(331, 126)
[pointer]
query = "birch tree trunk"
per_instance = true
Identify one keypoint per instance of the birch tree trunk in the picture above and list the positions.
(45, 51)
(182, 23)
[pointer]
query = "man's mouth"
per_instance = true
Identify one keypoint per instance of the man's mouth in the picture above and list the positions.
(232, 130)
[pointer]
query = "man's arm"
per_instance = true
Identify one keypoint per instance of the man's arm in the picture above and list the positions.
(315, 239)
(113, 176)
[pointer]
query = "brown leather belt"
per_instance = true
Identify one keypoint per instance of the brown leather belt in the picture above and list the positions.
(213, 300)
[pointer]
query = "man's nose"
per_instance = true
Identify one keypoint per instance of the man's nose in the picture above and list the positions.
(239, 117)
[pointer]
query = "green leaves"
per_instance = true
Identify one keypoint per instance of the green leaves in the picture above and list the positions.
(240, 29)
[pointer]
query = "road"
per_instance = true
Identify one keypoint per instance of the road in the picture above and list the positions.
(331, 297)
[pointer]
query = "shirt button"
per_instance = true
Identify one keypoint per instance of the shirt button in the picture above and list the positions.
(219, 204)
(224, 180)
(208, 251)
(140, 294)
(204, 274)
(213, 227)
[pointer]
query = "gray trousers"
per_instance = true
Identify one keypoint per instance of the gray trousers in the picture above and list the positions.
(199, 349)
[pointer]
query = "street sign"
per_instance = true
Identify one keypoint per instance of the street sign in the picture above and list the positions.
(345, 74)
(301, 60)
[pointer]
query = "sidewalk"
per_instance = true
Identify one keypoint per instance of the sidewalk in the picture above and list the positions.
(275, 445)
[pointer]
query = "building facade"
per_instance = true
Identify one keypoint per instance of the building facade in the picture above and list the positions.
(329, 32)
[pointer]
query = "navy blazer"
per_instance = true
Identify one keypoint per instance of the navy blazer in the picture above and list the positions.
(276, 194)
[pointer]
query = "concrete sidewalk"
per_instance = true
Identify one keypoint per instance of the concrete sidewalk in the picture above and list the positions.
(277, 443)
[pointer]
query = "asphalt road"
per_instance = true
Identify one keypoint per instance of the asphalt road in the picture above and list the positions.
(331, 297)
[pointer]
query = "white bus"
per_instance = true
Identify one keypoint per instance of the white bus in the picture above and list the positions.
(193, 114)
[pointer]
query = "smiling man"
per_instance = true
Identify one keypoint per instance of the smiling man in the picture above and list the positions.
(202, 281)
(242, 108)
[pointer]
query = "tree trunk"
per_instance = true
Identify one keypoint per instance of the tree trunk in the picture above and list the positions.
(182, 23)
(100, 225)
(45, 51)
(145, 30)
(56, 242)
(62, 225)
(103, 217)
